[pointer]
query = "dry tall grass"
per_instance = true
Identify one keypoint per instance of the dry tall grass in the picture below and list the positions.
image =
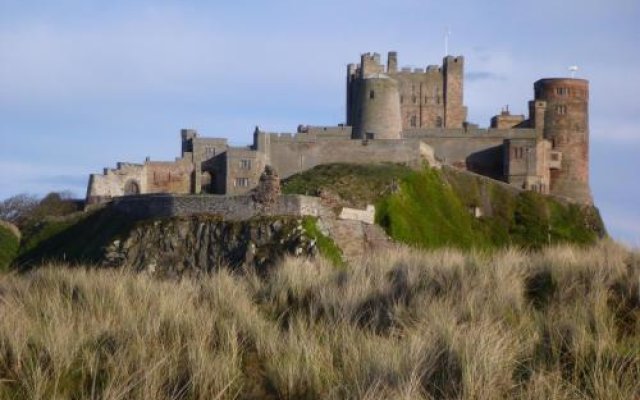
(563, 323)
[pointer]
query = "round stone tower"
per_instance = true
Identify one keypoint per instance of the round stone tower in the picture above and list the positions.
(377, 113)
(566, 125)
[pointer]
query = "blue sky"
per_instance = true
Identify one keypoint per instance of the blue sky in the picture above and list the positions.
(84, 84)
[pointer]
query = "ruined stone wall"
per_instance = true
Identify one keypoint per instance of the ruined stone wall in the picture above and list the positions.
(112, 182)
(150, 177)
(169, 177)
(230, 208)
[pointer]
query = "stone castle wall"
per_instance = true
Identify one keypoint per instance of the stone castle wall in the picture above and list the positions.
(406, 116)
(169, 177)
(289, 157)
(477, 150)
(231, 208)
(112, 182)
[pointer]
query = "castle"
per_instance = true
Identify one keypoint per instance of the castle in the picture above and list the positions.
(392, 115)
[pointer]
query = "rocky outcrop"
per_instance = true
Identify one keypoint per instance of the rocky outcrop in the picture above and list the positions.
(200, 244)
(268, 190)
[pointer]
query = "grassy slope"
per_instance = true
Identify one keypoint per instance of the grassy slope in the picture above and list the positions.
(77, 239)
(9, 245)
(431, 208)
(562, 323)
(325, 245)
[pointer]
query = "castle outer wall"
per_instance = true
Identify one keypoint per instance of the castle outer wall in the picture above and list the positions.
(402, 116)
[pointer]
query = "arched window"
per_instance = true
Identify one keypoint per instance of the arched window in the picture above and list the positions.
(131, 188)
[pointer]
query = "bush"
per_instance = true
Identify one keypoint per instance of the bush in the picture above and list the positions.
(9, 244)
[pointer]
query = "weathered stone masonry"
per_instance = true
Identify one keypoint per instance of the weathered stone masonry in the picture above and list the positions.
(408, 116)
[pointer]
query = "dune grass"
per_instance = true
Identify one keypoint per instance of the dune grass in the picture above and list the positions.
(562, 323)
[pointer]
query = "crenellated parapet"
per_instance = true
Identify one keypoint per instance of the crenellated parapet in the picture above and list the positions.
(394, 114)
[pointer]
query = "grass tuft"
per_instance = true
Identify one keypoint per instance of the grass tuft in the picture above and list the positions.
(561, 323)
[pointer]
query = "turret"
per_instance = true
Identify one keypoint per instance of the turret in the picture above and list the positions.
(352, 90)
(377, 109)
(566, 125)
(392, 62)
(455, 113)
(370, 64)
(187, 136)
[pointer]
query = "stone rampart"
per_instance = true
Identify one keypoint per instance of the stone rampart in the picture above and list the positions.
(471, 133)
(231, 208)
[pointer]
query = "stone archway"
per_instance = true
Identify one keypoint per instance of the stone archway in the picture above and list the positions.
(131, 188)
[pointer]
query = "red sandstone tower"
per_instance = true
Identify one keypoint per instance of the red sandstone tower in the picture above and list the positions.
(566, 125)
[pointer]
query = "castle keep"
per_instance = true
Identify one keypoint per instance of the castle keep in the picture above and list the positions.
(408, 116)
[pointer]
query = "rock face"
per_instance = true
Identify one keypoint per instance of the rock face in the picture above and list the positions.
(192, 246)
(268, 190)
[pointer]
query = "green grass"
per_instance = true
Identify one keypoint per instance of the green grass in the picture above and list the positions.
(9, 244)
(78, 239)
(326, 246)
(432, 208)
(356, 184)
(428, 213)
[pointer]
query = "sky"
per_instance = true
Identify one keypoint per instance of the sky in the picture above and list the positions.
(85, 84)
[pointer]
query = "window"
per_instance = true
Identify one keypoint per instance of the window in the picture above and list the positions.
(245, 164)
(414, 99)
(555, 157)
(241, 182)
(518, 153)
(209, 151)
(414, 121)
(438, 122)
(561, 110)
(562, 91)
(401, 99)
(372, 94)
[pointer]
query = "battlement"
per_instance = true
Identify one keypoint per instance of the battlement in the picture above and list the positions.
(229, 208)
(408, 115)
(472, 133)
